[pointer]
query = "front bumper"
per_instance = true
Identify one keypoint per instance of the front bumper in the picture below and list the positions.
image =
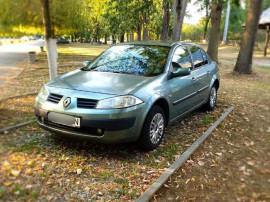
(106, 126)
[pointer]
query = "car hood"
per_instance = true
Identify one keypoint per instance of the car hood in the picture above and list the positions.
(100, 82)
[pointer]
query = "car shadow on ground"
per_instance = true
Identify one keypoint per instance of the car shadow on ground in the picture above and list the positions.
(180, 131)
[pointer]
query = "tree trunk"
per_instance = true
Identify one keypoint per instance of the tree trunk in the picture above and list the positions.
(127, 37)
(244, 60)
(179, 10)
(145, 27)
(165, 20)
(72, 40)
(266, 39)
(49, 39)
(132, 36)
(105, 38)
(86, 37)
(207, 19)
(139, 32)
(122, 38)
(215, 30)
(205, 28)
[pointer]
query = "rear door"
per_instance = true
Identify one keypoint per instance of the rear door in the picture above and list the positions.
(183, 88)
(201, 72)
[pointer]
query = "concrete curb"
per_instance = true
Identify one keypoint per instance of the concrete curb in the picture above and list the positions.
(16, 96)
(17, 126)
(149, 193)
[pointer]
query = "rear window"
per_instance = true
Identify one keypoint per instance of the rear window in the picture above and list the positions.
(205, 57)
(196, 56)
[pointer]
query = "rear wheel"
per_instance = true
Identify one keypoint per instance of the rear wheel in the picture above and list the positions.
(212, 100)
(153, 129)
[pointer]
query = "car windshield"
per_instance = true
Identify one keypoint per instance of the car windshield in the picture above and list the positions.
(140, 60)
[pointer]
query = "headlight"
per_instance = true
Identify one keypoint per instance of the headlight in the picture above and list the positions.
(118, 102)
(44, 93)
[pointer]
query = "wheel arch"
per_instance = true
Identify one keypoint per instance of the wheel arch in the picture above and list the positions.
(216, 83)
(163, 103)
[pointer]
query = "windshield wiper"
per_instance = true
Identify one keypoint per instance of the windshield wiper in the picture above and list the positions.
(121, 72)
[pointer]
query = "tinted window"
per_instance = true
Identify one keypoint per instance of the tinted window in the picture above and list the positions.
(132, 59)
(205, 58)
(196, 56)
(182, 58)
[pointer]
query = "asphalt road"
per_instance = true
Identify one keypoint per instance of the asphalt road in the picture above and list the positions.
(11, 56)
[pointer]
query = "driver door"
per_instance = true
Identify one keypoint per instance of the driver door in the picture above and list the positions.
(183, 90)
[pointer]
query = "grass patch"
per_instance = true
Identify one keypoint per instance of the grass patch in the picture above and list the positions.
(32, 145)
(121, 181)
(18, 190)
(207, 120)
(2, 191)
(264, 67)
(34, 194)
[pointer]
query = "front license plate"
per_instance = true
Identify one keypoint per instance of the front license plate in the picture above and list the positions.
(64, 119)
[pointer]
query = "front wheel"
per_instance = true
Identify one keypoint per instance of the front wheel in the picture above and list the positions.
(212, 100)
(153, 129)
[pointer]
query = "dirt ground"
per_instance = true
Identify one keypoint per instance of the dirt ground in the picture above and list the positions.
(37, 165)
(234, 163)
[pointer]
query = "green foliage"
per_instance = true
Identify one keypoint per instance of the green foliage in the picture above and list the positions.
(193, 32)
(237, 19)
(123, 16)
(94, 19)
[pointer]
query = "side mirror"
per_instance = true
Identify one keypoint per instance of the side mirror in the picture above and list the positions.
(181, 72)
(86, 63)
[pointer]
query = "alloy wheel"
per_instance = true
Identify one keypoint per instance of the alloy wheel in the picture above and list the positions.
(156, 128)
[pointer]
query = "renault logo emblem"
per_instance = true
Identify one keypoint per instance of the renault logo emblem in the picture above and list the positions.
(67, 102)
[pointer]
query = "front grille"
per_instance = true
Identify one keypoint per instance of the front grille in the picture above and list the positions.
(86, 103)
(84, 130)
(54, 98)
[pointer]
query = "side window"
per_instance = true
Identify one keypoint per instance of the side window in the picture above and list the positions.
(196, 56)
(205, 58)
(181, 58)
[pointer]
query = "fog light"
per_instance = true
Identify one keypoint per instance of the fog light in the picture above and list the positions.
(99, 131)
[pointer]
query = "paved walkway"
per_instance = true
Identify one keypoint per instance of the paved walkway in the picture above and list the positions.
(265, 62)
(12, 56)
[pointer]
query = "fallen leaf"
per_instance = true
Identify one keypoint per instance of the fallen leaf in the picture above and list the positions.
(79, 171)
(200, 163)
(247, 144)
(15, 173)
(265, 171)
(7, 183)
(251, 163)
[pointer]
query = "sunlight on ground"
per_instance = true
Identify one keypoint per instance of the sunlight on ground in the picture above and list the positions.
(81, 49)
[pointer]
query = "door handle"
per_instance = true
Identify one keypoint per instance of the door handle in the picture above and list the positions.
(193, 79)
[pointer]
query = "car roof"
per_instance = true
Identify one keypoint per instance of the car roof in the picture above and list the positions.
(156, 43)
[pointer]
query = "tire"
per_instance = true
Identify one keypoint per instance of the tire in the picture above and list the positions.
(212, 99)
(152, 134)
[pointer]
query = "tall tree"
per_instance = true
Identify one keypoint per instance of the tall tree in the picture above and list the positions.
(165, 20)
(244, 60)
(145, 26)
(216, 10)
(204, 5)
(49, 39)
(179, 10)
